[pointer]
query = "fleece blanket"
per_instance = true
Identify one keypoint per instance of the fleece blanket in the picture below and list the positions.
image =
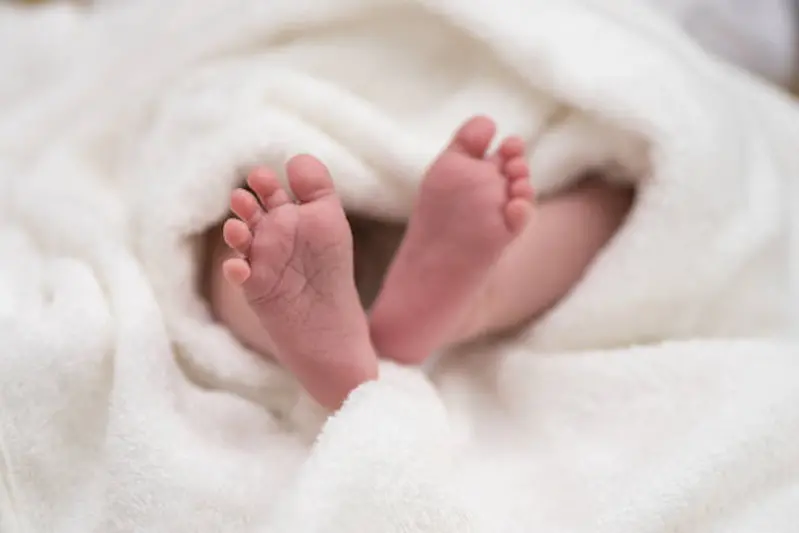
(761, 35)
(661, 395)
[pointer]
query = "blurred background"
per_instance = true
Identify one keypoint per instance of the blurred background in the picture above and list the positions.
(761, 36)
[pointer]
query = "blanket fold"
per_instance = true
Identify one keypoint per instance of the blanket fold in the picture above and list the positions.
(660, 395)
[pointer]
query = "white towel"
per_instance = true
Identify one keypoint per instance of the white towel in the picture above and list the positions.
(659, 396)
(760, 35)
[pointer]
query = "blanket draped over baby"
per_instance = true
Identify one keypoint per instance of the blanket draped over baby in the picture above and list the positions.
(661, 395)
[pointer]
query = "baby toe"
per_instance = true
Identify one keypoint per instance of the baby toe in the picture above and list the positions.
(236, 270)
(517, 212)
(245, 206)
(516, 168)
(266, 185)
(521, 189)
(237, 235)
(309, 178)
(474, 137)
(511, 147)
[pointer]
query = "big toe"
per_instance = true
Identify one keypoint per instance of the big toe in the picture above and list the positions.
(474, 137)
(309, 178)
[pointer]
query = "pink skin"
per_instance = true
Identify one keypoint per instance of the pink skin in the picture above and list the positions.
(470, 207)
(469, 264)
(295, 270)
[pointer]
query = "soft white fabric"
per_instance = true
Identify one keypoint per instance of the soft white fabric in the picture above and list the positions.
(761, 35)
(660, 396)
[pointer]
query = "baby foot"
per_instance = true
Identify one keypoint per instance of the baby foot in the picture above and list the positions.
(296, 271)
(469, 208)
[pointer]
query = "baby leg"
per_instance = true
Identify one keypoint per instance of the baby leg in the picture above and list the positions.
(547, 259)
(470, 207)
(470, 264)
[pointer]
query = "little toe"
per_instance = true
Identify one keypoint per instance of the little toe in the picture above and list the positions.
(246, 207)
(265, 184)
(516, 168)
(237, 235)
(474, 137)
(517, 212)
(309, 179)
(236, 270)
(511, 147)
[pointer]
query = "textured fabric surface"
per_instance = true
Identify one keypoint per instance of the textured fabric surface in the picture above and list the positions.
(760, 35)
(660, 396)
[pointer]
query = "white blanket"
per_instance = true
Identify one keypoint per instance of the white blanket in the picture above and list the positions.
(761, 35)
(662, 395)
